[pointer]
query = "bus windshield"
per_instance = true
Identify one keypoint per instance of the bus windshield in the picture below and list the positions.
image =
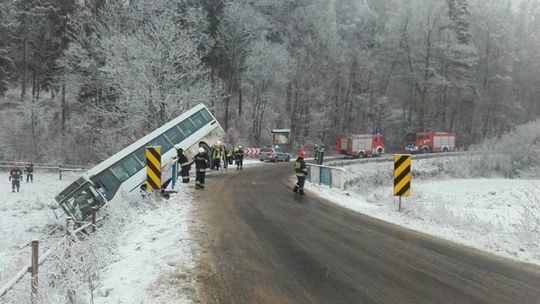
(80, 203)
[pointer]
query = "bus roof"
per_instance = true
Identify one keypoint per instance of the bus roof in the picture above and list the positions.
(143, 141)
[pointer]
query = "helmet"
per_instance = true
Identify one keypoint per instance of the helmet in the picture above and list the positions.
(83, 192)
(219, 142)
(239, 147)
(201, 150)
(301, 153)
(177, 146)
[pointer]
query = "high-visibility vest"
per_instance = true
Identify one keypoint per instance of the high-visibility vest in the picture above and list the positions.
(216, 154)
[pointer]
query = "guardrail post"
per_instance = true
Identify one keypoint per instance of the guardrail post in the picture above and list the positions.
(34, 270)
(60, 171)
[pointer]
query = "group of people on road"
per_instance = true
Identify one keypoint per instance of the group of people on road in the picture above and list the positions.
(228, 156)
(203, 162)
(16, 175)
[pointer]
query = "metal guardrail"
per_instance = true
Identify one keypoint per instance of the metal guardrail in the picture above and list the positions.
(52, 167)
(387, 158)
(332, 177)
(334, 174)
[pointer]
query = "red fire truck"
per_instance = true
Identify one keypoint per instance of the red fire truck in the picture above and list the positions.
(360, 145)
(426, 142)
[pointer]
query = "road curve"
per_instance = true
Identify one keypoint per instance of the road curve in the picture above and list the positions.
(261, 244)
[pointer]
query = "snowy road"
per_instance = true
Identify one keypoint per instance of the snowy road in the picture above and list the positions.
(263, 245)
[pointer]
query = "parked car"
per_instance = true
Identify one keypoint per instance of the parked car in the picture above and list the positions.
(274, 154)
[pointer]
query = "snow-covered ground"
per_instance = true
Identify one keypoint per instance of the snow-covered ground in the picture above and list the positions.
(498, 215)
(145, 254)
(27, 215)
(155, 260)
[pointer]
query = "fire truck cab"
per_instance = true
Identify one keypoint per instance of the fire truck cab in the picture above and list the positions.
(427, 142)
(360, 145)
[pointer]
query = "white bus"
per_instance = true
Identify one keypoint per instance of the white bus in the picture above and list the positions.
(125, 171)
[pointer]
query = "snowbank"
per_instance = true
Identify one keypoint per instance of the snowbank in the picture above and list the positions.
(501, 216)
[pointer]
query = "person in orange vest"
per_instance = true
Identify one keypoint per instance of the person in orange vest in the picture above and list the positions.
(301, 172)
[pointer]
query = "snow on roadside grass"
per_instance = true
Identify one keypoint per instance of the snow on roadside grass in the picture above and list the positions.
(501, 216)
(142, 254)
(27, 215)
(155, 259)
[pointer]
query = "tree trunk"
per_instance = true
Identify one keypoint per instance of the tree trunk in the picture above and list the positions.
(63, 108)
(239, 94)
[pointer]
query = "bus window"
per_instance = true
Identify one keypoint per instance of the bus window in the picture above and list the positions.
(120, 172)
(187, 127)
(141, 155)
(175, 135)
(108, 182)
(131, 165)
(206, 115)
(163, 142)
(198, 120)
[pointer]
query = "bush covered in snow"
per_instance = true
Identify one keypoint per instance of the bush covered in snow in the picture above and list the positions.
(515, 154)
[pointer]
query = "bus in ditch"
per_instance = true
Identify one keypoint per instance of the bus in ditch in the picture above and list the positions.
(125, 171)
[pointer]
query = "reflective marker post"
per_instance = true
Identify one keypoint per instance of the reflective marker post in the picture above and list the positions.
(402, 176)
(153, 168)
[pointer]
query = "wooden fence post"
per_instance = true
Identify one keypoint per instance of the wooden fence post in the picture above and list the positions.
(34, 270)
(60, 171)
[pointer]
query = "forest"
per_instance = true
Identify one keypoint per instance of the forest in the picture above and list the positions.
(81, 79)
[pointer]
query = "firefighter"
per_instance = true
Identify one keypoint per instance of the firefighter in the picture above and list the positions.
(201, 164)
(216, 158)
(29, 170)
(229, 155)
(239, 156)
(301, 172)
(15, 176)
(184, 163)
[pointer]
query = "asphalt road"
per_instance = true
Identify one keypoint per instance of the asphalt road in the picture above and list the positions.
(262, 244)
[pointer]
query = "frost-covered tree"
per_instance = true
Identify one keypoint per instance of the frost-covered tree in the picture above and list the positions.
(139, 65)
(5, 61)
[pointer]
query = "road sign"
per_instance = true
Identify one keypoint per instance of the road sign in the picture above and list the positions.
(153, 168)
(252, 151)
(402, 175)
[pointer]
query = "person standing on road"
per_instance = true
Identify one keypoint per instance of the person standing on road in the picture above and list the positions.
(184, 163)
(201, 164)
(239, 155)
(216, 158)
(29, 170)
(301, 172)
(15, 176)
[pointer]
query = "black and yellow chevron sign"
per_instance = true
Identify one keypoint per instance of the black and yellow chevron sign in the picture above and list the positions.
(153, 168)
(402, 175)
